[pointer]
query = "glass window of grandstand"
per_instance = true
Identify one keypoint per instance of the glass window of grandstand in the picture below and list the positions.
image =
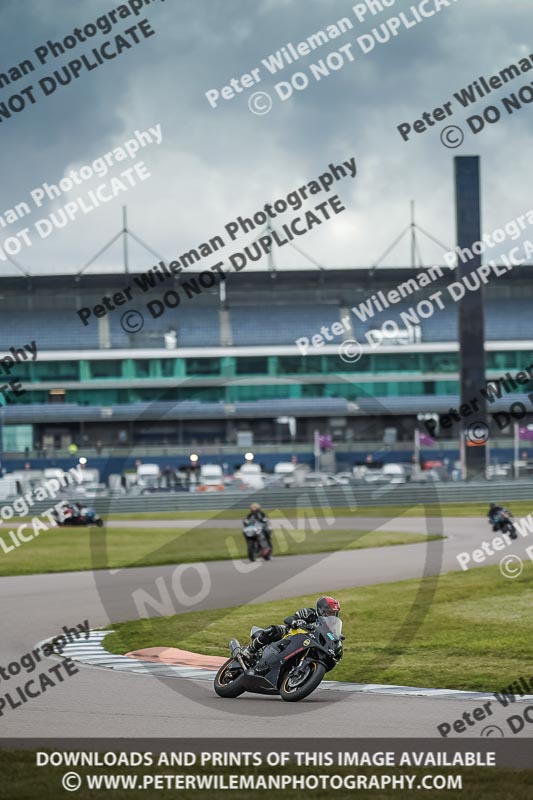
(98, 397)
(446, 387)
(401, 362)
(203, 366)
(412, 389)
(348, 391)
(203, 394)
(168, 367)
(250, 394)
(299, 365)
(55, 371)
(440, 362)
(21, 372)
(313, 390)
(252, 366)
(335, 364)
(16, 438)
(106, 369)
(142, 367)
(519, 359)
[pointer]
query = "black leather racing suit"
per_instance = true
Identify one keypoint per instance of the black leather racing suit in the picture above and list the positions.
(262, 519)
(274, 633)
(494, 513)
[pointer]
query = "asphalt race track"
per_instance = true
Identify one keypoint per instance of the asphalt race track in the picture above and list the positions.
(102, 703)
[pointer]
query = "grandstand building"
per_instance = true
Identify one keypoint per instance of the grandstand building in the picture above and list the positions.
(225, 360)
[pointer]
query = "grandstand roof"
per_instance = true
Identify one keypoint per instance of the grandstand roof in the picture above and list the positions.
(358, 278)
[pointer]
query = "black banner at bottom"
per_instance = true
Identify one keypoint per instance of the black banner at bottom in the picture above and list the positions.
(247, 768)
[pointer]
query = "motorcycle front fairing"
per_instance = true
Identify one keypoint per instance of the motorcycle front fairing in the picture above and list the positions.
(251, 531)
(278, 654)
(275, 656)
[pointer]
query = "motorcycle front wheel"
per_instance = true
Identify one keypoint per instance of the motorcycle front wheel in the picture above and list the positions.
(251, 551)
(295, 687)
(228, 679)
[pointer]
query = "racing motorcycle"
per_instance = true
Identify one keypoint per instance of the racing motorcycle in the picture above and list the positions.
(291, 668)
(256, 541)
(504, 523)
(86, 517)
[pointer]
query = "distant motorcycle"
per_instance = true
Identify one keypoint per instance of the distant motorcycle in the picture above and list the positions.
(256, 541)
(291, 668)
(85, 518)
(504, 523)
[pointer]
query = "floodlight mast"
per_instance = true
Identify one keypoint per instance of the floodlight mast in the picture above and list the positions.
(124, 233)
(272, 264)
(20, 268)
(412, 229)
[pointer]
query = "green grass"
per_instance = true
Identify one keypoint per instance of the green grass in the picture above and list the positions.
(22, 780)
(468, 630)
(66, 549)
(431, 510)
(519, 508)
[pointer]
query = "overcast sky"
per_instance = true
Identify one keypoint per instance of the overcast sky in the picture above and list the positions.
(215, 164)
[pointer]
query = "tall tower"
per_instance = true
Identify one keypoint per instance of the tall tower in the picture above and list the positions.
(471, 312)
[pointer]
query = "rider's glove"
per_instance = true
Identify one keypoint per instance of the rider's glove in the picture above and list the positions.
(300, 623)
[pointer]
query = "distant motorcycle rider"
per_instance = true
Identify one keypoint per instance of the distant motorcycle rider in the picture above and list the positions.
(257, 516)
(501, 519)
(494, 514)
(304, 617)
(71, 510)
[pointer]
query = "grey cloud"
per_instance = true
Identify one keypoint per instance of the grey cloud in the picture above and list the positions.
(218, 163)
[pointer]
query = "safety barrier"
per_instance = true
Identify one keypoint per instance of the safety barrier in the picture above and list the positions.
(352, 496)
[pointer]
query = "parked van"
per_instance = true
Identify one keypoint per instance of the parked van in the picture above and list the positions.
(211, 478)
(284, 468)
(9, 487)
(251, 475)
(397, 473)
(148, 476)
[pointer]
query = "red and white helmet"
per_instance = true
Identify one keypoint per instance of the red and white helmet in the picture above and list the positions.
(327, 607)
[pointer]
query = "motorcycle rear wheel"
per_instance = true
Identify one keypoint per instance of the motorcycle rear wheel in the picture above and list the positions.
(291, 694)
(510, 530)
(232, 687)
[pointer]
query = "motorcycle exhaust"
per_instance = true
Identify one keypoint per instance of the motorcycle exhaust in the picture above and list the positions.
(235, 650)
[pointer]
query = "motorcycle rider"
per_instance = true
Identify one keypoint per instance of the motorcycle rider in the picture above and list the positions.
(494, 513)
(259, 516)
(325, 607)
(501, 519)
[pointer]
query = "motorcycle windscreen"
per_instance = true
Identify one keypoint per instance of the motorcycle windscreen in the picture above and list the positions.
(332, 624)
